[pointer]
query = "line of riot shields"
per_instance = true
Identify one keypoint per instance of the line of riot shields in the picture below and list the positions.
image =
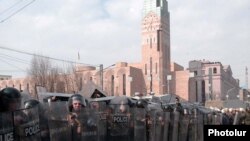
(21, 125)
(115, 120)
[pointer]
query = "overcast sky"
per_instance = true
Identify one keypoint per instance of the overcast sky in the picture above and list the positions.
(108, 31)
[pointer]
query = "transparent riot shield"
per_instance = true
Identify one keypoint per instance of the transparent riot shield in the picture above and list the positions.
(195, 132)
(139, 124)
(166, 117)
(183, 126)
(174, 125)
(26, 123)
(200, 126)
(44, 125)
(193, 129)
(59, 126)
(6, 126)
(89, 119)
(151, 122)
(100, 108)
(159, 125)
(119, 123)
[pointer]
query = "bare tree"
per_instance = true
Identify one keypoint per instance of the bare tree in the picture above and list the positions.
(43, 73)
(54, 79)
(72, 79)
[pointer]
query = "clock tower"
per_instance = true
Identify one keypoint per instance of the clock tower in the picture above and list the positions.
(155, 29)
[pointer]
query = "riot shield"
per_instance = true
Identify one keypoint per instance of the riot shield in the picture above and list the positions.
(140, 124)
(44, 125)
(26, 123)
(200, 126)
(151, 122)
(159, 125)
(89, 119)
(193, 129)
(183, 126)
(6, 126)
(59, 126)
(166, 126)
(119, 123)
(101, 109)
(174, 126)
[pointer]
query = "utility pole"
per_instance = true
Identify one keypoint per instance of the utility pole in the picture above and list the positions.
(210, 80)
(101, 76)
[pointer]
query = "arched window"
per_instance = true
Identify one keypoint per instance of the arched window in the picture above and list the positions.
(214, 70)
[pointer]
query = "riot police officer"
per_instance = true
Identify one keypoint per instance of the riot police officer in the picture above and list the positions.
(76, 103)
(178, 106)
(43, 121)
(10, 99)
(83, 117)
(24, 128)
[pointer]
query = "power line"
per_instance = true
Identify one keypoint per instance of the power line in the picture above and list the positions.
(12, 70)
(31, 54)
(11, 15)
(14, 58)
(13, 65)
(8, 9)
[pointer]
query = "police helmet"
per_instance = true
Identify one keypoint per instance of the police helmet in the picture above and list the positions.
(141, 104)
(7, 96)
(77, 97)
(31, 103)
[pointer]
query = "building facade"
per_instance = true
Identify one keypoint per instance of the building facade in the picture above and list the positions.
(149, 75)
(202, 81)
(205, 81)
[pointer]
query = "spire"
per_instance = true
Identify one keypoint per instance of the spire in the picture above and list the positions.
(246, 78)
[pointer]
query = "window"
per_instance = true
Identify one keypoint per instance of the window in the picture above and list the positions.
(90, 78)
(195, 73)
(215, 70)
(112, 85)
(156, 68)
(80, 83)
(203, 91)
(145, 69)
(150, 42)
(150, 65)
(158, 3)
(124, 84)
(158, 39)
